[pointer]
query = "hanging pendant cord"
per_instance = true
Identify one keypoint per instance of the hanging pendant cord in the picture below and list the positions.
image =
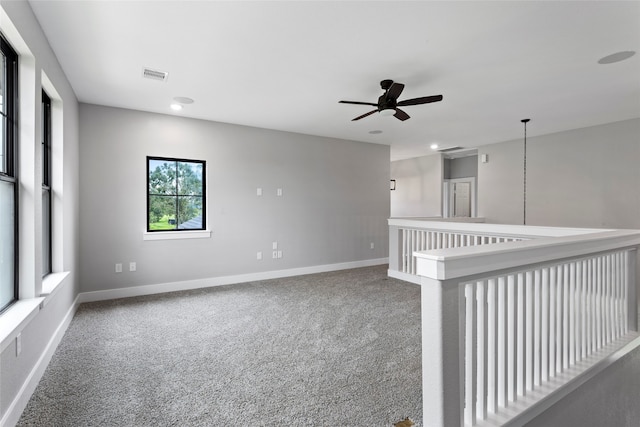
(524, 210)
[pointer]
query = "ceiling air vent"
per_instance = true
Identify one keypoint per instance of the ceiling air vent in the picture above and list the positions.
(148, 73)
(448, 150)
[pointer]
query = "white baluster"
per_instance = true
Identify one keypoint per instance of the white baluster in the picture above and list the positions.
(553, 303)
(571, 314)
(470, 360)
(502, 344)
(512, 292)
(537, 336)
(565, 316)
(481, 350)
(528, 346)
(544, 336)
(521, 336)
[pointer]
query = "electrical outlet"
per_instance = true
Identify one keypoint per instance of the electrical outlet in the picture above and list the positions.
(259, 191)
(259, 256)
(274, 255)
(279, 192)
(372, 246)
(18, 344)
(118, 268)
(274, 245)
(279, 254)
(132, 266)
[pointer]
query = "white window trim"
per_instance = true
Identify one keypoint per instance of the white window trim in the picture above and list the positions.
(176, 235)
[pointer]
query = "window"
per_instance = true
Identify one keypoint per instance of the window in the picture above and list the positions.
(46, 184)
(8, 175)
(175, 194)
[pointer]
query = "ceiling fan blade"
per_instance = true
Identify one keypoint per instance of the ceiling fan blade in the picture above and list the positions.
(358, 103)
(417, 101)
(401, 115)
(395, 90)
(364, 115)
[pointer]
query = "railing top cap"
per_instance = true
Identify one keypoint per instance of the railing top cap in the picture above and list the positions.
(480, 227)
(450, 263)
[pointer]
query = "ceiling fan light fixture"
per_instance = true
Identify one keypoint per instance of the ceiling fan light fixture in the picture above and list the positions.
(387, 112)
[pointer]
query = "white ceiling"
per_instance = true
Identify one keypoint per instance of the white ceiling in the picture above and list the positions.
(285, 65)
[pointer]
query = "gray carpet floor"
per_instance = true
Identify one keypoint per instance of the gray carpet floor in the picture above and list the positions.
(331, 349)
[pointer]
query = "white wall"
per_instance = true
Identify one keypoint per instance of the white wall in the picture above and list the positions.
(418, 187)
(39, 67)
(335, 199)
(580, 178)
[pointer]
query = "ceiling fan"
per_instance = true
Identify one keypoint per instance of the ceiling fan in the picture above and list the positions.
(388, 102)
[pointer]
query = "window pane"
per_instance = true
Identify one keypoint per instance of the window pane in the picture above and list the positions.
(190, 213)
(46, 232)
(7, 243)
(162, 213)
(3, 83)
(175, 194)
(162, 177)
(190, 178)
(3, 118)
(3, 144)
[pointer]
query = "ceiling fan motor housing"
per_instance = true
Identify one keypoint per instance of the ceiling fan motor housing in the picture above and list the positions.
(385, 103)
(386, 84)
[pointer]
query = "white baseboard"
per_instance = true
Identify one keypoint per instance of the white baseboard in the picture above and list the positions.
(221, 281)
(404, 276)
(14, 410)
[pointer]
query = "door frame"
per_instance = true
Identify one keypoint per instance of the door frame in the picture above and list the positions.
(447, 196)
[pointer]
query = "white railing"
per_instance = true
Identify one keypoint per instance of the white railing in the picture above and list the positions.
(407, 236)
(524, 328)
(512, 327)
(415, 239)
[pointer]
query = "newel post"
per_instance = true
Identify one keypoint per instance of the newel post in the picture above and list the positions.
(442, 356)
(395, 248)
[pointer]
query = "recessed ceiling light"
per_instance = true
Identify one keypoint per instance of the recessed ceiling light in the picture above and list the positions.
(183, 100)
(616, 57)
(176, 107)
(375, 132)
(434, 146)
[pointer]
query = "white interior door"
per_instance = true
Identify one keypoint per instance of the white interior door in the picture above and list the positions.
(459, 198)
(462, 199)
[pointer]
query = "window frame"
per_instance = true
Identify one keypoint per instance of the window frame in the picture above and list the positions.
(204, 195)
(47, 213)
(10, 143)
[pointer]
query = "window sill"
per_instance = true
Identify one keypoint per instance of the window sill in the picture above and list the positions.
(51, 283)
(15, 319)
(175, 235)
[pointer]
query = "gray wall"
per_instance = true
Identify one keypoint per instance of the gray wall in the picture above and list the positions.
(418, 187)
(36, 334)
(584, 178)
(611, 398)
(335, 199)
(462, 167)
